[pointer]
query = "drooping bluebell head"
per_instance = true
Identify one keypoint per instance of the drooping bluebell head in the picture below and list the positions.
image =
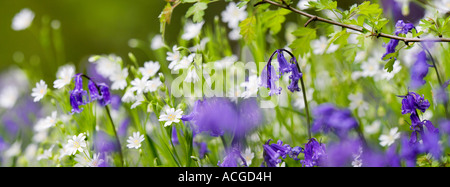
(93, 91)
(269, 78)
(403, 28)
(105, 95)
(413, 102)
(79, 97)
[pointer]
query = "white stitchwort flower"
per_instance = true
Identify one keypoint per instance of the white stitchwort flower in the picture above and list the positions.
(49, 121)
(389, 139)
(39, 91)
(64, 76)
(192, 30)
(22, 20)
(320, 45)
(135, 140)
(140, 85)
(150, 69)
(233, 15)
(83, 159)
(77, 143)
(95, 161)
(357, 102)
(128, 97)
(154, 84)
(248, 155)
(373, 128)
(173, 57)
(108, 65)
(171, 116)
(119, 79)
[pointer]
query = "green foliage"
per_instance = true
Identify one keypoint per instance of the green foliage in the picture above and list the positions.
(248, 29)
(304, 36)
(324, 5)
(198, 11)
(273, 19)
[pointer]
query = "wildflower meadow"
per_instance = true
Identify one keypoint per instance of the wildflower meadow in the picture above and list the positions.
(225, 83)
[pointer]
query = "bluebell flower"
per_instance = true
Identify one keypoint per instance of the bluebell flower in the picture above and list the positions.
(419, 71)
(413, 102)
(79, 97)
(409, 152)
(269, 76)
(315, 154)
(400, 28)
(271, 156)
(232, 158)
(203, 149)
(329, 118)
(403, 28)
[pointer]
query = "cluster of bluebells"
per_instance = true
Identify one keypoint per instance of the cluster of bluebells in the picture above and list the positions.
(79, 97)
(400, 28)
(273, 152)
(269, 76)
(411, 103)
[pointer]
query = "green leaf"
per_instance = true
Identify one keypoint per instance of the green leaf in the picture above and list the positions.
(304, 35)
(197, 10)
(323, 4)
(273, 19)
(390, 65)
(248, 29)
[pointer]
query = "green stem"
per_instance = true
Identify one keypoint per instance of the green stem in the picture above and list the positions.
(115, 134)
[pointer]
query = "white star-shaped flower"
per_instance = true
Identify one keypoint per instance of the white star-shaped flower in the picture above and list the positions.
(39, 91)
(233, 15)
(64, 76)
(319, 46)
(77, 143)
(135, 140)
(171, 116)
(119, 79)
(173, 57)
(389, 139)
(140, 85)
(192, 30)
(150, 69)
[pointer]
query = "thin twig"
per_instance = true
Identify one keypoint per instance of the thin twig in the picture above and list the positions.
(352, 27)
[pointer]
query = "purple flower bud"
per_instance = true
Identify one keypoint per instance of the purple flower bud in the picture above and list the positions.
(295, 76)
(105, 95)
(284, 66)
(93, 92)
(390, 47)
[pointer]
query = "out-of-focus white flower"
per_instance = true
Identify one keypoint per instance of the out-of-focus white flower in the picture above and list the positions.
(357, 102)
(201, 45)
(46, 154)
(83, 159)
(233, 15)
(251, 86)
(443, 5)
(371, 67)
(303, 4)
(154, 84)
(64, 76)
(150, 69)
(119, 79)
(319, 46)
(157, 42)
(13, 150)
(49, 121)
(8, 96)
(108, 65)
(192, 30)
(22, 20)
(135, 140)
(137, 101)
(95, 161)
(373, 128)
(389, 139)
(171, 116)
(39, 91)
(128, 97)
(235, 34)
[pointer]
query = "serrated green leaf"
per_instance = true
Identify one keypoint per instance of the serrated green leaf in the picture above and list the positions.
(273, 19)
(390, 65)
(197, 10)
(301, 44)
(323, 4)
(248, 29)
